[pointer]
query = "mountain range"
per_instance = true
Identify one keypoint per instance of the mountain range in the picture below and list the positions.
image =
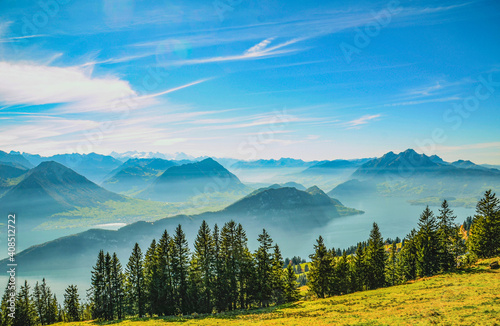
(284, 209)
(179, 183)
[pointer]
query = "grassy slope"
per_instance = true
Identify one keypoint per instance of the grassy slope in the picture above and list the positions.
(470, 297)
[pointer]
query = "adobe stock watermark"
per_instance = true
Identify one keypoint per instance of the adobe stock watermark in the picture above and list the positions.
(223, 6)
(454, 117)
(365, 34)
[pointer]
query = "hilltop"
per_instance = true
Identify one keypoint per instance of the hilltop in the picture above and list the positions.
(467, 297)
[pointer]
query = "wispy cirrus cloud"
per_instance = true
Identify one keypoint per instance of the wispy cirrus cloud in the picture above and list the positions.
(357, 123)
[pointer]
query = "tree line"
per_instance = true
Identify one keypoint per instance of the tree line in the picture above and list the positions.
(222, 274)
(437, 246)
(40, 306)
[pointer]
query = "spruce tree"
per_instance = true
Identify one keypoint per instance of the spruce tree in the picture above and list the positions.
(407, 257)
(427, 245)
(135, 283)
(321, 271)
(108, 296)
(117, 287)
(228, 252)
(164, 254)
(264, 265)
(151, 280)
(26, 314)
(202, 267)
(5, 319)
(180, 266)
(246, 268)
(291, 290)
(277, 277)
(342, 275)
(98, 285)
(375, 259)
(446, 237)
(484, 235)
(359, 269)
(72, 303)
(220, 282)
(391, 266)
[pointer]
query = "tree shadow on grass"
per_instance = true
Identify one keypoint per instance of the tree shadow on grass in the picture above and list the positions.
(232, 315)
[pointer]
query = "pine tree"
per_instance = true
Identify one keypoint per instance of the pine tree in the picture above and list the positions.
(25, 308)
(277, 277)
(264, 266)
(484, 235)
(446, 237)
(407, 262)
(342, 275)
(359, 269)
(135, 282)
(108, 296)
(164, 254)
(291, 290)
(202, 267)
(180, 266)
(391, 266)
(117, 287)
(72, 303)
(151, 280)
(228, 252)
(5, 319)
(375, 259)
(246, 269)
(427, 245)
(321, 272)
(98, 285)
(219, 286)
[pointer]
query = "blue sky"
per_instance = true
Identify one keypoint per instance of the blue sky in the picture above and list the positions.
(251, 79)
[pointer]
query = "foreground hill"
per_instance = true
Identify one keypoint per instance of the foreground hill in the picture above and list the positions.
(468, 297)
(52, 188)
(179, 183)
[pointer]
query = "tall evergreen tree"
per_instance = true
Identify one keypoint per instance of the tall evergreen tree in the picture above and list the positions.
(202, 267)
(72, 303)
(321, 271)
(166, 296)
(220, 283)
(375, 258)
(98, 287)
(359, 269)
(277, 277)
(228, 252)
(5, 319)
(108, 295)
(264, 265)
(407, 258)
(446, 237)
(117, 287)
(342, 275)
(25, 308)
(246, 268)
(391, 266)
(135, 283)
(484, 235)
(427, 244)
(180, 267)
(152, 280)
(291, 290)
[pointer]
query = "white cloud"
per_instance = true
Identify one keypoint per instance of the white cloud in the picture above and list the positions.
(356, 123)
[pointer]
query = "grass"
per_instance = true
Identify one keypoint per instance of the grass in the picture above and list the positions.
(468, 297)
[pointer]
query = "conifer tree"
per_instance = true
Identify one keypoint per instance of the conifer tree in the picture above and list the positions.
(202, 267)
(72, 303)
(291, 290)
(359, 269)
(25, 308)
(98, 285)
(321, 271)
(446, 237)
(151, 280)
(108, 296)
(264, 265)
(228, 252)
(246, 269)
(342, 275)
(407, 257)
(375, 259)
(391, 266)
(180, 267)
(427, 244)
(484, 235)
(277, 277)
(5, 319)
(117, 286)
(164, 254)
(135, 283)
(219, 286)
